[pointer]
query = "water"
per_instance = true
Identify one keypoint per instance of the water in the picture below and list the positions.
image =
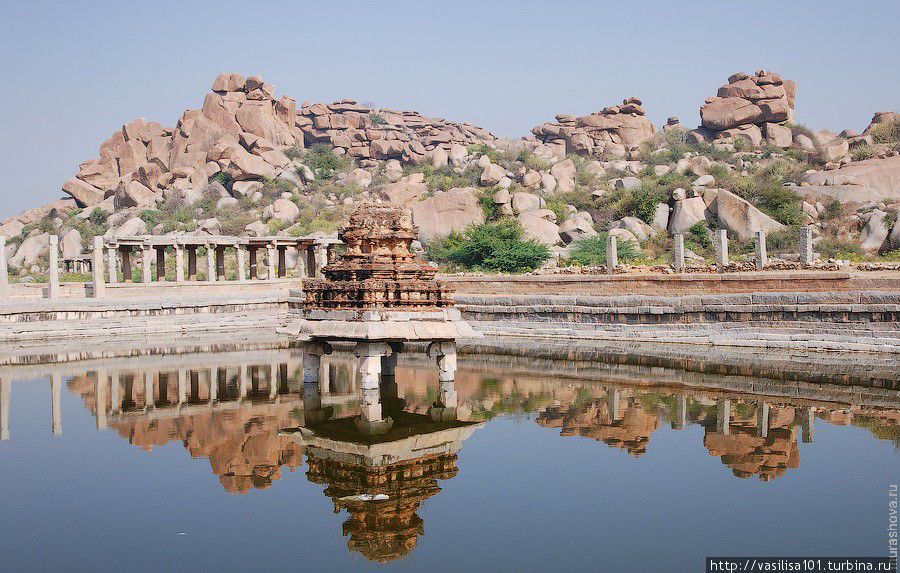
(548, 464)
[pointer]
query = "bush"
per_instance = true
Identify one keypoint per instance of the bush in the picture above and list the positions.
(151, 217)
(591, 251)
(784, 240)
(532, 161)
(499, 246)
(768, 194)
(864, 151)
(886, 132)
(323, 161)
(294, 152)
(833, 248)
(833, 210)
(377, 118)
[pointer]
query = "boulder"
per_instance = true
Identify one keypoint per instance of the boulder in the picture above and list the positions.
(446, 212)
(728, 112)
(285, 210)
(641, 230)
(133, 194)
(386, 149)
(403, 193)
(229, 82)
(540, 229)
(778, 135)
(564, 173)
(622, 235)
(241, 189)
(875, 232)
(627, 183)
(525, 202)
(30, 250)
(84, 194)
(134, 226)
(871, 180)
(70, 244)
(12, 228)
(660, 217)
(686, 214)
(492, 174)
(576, 228)
(740, 217)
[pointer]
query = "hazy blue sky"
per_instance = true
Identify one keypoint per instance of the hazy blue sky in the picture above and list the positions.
(76, 71)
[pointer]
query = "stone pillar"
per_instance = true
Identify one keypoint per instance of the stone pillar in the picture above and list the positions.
(807, 423)
(723, 416)
(371, 420)
(4, 270)
(241, 263)
(211, 263)
(161, 264)
(325, 377)
(311, 261)
(680, 421)
(301, 262)
(100, 385)
(97, 268)
(761, 257)
(270, 260)
(192, 262)
(213, 387)
(273, 380)
(114, 403)
(679, 253)
(54, 266)
(613, 397)
(321, 256)
(612, 254)
(807, 254)
(182, 386)
(111, 260)
(149, 396)
(721, 250)
(445, 355)
(56, 403)
(312, 398)
(146, 268)
(282, 261)
(243, 382)
(762, 419)
(4, 408)
(220, 262)
(179, 264)
(126, 264)
(254, 269)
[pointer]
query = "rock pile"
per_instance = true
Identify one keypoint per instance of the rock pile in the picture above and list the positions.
(243, 131)
(750, 108)
(614, 131)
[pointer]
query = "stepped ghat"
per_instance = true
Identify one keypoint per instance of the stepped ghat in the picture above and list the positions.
(379, 295)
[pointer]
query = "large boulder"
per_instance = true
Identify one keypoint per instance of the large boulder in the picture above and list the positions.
(492, 174)
(856, 182)
(576, 228)
(725, 113)
(133, 194)
(134, 226)
(524, 202)
(30, 250)
(540, 229)
(641, 230)
(687, 213)
(84, 194)
(284, 210)
(11, 228)
(875, 232)
(740, 217)
(446, 212)
(403, 193)
(70, 244)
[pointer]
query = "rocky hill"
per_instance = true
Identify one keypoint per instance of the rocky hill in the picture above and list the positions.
(251, 163)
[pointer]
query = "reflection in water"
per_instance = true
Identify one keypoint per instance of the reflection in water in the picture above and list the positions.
(251, 416)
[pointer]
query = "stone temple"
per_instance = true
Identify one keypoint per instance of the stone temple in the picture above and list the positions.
(379, 295)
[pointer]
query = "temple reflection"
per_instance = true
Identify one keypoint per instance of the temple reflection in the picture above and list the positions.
(254, 414)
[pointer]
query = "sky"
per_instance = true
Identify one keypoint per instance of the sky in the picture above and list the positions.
(77, 71)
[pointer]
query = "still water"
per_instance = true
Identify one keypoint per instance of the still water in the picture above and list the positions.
(225, 461)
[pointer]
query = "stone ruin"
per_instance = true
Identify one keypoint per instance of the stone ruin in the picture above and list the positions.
(614, 131)
(750, 108)
(378, 268)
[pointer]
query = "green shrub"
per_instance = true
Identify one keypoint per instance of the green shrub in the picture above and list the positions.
(833, 248)
(445, 178)
(888, 132)
(220, 177)
(324, 163)
(377, 118)
(499, 246)
(784, 240)
(833, 210)
(697, 237)
(591, 251)
(294, 152)
(495, 155)
(769, 195)
(862, 152)
(486, 199)
(558, 206)
(151, 217)
(532, 161)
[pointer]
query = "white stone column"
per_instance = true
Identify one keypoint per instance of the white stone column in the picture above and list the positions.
(4, 270)
(54, 266)
(761, 257)
(179, 264)
(149, 395)
(612, 254)
(807, 423)
(312, 397)
(301, 262)
(325, 377)
(613, 398)
(445, 355)
(680, 422)
(273, 380)
(723, 416)
(56, 403)
(679, 253)
(97, 268)
(371, 419)
(213, 386)
(807, 254)
(721, 250)
(762, 419)
(4, 407)
(211, 263)
(100, 385)
(321, 257)
(146, 264)
(111, 263)
(243, 381)
(182, 386)
(114, 402)
(241, 263)
(271, 261)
